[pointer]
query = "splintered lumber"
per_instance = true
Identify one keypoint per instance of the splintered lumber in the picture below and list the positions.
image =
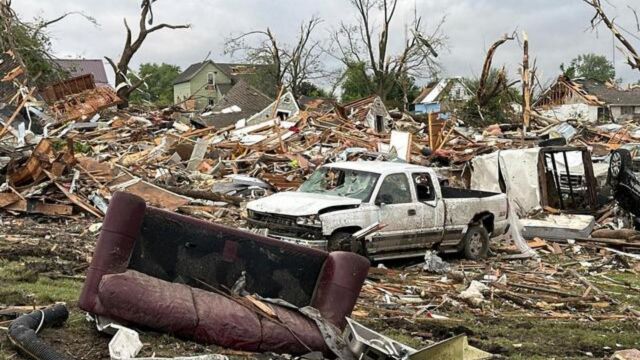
(615, 234)
(15, 113)
(526, 83)
(36, 207)
(206, 195)
(8, 199)
(544, 289)
(585, 282)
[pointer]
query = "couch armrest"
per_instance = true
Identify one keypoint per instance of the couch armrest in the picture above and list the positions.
(338, 286)
(120, 230)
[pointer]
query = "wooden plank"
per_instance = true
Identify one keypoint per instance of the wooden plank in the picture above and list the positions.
(35, 207)
(8, 199)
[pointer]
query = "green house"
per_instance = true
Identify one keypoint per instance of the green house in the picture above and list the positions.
(205, 83)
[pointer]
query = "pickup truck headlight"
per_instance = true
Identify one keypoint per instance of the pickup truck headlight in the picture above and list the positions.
(312, 220)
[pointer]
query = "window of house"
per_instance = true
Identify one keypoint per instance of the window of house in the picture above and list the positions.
(379, 123)
(603, 114)
(283, 114)
(210, 78)
(212, 101)
(627, 110)
(394, 190)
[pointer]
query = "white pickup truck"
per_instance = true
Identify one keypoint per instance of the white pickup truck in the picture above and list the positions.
(342, 198)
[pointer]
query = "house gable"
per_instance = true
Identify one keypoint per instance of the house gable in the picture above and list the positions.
(287, 105)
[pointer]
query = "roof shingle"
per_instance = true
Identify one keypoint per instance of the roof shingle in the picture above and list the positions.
(246, 97)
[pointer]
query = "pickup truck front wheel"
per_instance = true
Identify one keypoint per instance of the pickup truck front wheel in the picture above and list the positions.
(476, 243)
(343, 241)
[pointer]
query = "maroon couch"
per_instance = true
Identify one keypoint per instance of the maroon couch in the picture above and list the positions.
(160, 270)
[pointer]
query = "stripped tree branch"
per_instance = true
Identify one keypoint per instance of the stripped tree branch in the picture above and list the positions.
(633, 58)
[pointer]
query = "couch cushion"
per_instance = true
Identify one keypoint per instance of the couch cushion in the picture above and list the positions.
(147, 301)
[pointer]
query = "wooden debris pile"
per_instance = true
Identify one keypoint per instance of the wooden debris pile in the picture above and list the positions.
(575, 282)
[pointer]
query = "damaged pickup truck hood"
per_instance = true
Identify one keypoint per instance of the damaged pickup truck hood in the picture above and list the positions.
(299, 203)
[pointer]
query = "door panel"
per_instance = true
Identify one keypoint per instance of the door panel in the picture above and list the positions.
(399, 212)
(430, 209)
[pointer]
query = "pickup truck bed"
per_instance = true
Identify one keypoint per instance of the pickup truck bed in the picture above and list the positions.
(457, 193)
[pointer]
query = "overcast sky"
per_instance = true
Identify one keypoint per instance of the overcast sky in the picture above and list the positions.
(558, 29)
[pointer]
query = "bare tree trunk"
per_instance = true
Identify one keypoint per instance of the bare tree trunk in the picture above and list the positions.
(131, 47)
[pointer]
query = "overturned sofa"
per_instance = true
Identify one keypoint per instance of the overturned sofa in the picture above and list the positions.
(172, 273)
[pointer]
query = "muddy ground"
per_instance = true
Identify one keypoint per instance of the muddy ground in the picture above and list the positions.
(42, 261)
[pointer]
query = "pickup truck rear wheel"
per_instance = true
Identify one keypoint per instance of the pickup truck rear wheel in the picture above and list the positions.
(476, 243)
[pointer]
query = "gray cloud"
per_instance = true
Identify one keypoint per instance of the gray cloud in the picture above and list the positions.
(557, 29)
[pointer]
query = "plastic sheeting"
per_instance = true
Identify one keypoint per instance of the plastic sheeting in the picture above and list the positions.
(517, 170)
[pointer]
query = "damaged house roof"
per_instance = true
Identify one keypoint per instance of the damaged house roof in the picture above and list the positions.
(78, 67)
(437, 91)
(609, 94)
(241, 102)
(592, 92)
(357, 110)
(233, 71)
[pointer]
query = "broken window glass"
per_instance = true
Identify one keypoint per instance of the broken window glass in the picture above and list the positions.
(394, 190)
(424, 187)
(340, 182)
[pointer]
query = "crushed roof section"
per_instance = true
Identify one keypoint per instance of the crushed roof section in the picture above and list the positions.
(357, 110)
(79, 67)
(435, 90)
(609, 94)
(250, 101)
(308, 103)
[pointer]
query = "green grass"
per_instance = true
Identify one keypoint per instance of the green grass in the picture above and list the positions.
(21, 287)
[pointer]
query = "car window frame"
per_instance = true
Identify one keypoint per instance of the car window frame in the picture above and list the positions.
(383, 179)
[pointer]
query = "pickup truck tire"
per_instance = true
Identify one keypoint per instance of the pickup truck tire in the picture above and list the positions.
(476, 243)
(342, 241)
(620, 161)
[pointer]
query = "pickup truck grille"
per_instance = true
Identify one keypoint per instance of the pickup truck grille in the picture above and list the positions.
(274, 219)
(282, 225)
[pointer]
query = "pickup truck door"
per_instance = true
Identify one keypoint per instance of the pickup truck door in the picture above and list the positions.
(398, 210)
(430, 208)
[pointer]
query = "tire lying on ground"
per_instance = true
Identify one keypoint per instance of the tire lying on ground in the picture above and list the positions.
(476, 243)
(23, 332)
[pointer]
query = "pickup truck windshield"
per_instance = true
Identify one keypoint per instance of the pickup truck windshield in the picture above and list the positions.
(341, 182)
